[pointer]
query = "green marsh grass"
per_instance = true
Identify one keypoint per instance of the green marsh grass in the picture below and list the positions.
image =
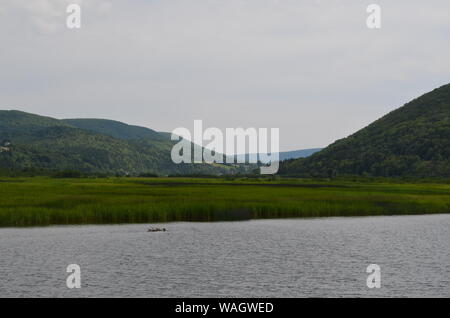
(46, 201)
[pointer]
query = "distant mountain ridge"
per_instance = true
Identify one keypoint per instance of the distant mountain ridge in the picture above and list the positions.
(295, 154)
(39, 142)
(284, 155)
(411, 141)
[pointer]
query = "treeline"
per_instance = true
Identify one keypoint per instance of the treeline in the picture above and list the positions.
(72, 173)
(36, 172)
(254, 177)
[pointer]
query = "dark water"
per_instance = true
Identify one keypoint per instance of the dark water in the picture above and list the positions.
(279, 258)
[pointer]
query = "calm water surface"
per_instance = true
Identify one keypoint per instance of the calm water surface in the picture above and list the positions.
(264, 258)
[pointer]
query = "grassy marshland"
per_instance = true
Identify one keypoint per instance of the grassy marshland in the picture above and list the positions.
(45, 201)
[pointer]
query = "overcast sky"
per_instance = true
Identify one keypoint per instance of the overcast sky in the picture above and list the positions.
(309, 67)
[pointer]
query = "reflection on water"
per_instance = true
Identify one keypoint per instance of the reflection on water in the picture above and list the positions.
(263, 258)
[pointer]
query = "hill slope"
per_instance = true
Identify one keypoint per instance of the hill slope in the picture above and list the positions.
(413, 140)
(38, 142)
(114, 129)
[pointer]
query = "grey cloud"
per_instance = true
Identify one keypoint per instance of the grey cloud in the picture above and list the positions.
(311, 68)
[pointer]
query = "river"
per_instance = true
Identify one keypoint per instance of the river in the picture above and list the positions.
(323, 257)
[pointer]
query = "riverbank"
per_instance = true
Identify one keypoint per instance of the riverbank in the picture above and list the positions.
(46, 201)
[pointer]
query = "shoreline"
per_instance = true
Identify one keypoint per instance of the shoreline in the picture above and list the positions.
(168, 223)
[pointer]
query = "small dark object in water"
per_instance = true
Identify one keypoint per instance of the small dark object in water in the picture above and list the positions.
(157, 229)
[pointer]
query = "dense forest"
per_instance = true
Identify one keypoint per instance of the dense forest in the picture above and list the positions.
(36, 143)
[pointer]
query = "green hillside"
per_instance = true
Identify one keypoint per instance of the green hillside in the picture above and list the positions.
(115, 129)
(16, 121)
(413, 140)
(37, 142)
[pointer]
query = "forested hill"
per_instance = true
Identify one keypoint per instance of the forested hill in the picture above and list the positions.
(115, 129)
(413, 140)
(30, 142)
